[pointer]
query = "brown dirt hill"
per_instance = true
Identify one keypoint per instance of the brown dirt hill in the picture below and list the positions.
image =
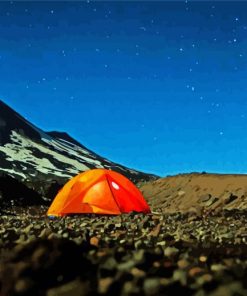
(197, 193)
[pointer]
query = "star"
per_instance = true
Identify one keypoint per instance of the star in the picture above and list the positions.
(181, 49)
(143, 28)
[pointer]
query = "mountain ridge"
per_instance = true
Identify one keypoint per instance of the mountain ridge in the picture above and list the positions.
(33, 156)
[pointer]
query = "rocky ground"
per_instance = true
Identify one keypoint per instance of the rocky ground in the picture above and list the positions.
(197, 192)
(134, 254)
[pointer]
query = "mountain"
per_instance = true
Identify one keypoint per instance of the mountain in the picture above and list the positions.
(39, 159)
(197, 192)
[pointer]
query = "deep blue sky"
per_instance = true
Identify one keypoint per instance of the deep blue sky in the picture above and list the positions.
(157, 86)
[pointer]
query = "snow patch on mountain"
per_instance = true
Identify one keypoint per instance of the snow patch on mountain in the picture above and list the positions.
(69, 145)
(12, 172)
(71, 151)
(20, 149)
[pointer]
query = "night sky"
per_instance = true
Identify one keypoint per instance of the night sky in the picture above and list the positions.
(156, 86)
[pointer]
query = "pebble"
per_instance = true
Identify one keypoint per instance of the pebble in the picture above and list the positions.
(72, 288)
(94, 241)
(170, 251)
(133, 254)
(23, 285)
(151, 286)
(104, 284)
(183, 264)
(194, 271)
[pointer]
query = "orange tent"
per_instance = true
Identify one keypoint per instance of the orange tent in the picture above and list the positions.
(98, 191)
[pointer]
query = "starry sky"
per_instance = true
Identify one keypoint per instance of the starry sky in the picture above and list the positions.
(156, 86)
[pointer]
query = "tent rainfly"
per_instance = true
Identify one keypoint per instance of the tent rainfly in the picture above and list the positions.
(98, 191)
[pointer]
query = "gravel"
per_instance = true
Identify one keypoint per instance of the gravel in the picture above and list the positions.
(131, 254)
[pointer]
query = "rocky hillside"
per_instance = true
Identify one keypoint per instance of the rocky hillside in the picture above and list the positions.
(197, 192)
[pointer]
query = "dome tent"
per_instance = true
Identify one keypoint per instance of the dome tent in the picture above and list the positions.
(98, 191)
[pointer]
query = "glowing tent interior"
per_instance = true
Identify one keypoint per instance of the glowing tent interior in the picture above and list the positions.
(98, 191)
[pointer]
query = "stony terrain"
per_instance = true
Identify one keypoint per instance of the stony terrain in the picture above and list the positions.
(131, 254)
(197, 192)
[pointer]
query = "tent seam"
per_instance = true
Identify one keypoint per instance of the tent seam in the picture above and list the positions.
(82, 194)
(112, 193)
